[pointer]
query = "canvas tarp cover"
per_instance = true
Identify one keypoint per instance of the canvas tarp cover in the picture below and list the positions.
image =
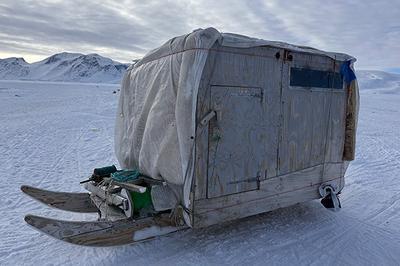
(155, 126)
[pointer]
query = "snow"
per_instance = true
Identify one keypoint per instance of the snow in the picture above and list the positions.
(67, 67)
(383, 81)
(53, 135)
(152, 232)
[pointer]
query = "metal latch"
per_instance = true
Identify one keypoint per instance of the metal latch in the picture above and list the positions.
(287, 56)
(207, 118)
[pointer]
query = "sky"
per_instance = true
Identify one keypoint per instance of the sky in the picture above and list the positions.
(125, 30)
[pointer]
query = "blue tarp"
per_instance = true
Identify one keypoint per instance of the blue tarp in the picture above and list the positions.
(347, 73)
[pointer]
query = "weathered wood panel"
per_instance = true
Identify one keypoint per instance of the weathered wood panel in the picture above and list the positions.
(297, 131)
(306, 135)
(255, 68)
(306, 113)
(336, 130)
(320, 115)
(256, 206)
(286, 188)
(240, 68)
(237, 140)
(268, 187)
(332, 170)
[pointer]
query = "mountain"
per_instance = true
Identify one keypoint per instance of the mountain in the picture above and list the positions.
(69, 67)
(13, 67)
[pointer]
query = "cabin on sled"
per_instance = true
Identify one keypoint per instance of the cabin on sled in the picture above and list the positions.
(237, 126)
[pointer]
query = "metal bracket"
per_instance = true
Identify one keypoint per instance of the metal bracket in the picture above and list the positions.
(207, 118)
(287, 56)
(330, 199)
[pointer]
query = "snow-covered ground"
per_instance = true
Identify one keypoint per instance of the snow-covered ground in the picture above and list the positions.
(53, 134)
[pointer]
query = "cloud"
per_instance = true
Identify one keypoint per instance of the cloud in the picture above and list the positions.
(124, 30)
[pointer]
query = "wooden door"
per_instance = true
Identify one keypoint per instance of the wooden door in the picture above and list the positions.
(236, 140)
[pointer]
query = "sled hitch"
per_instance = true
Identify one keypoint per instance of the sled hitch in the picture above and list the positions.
(329, 196)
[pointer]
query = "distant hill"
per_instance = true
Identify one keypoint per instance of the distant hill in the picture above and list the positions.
(70, 67)
(379, 81)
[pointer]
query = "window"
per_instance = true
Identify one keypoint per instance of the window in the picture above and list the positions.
(303, 77)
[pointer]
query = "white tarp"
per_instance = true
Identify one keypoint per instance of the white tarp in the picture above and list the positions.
(155, 127)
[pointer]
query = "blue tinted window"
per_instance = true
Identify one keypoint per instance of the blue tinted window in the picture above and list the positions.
(303, 77)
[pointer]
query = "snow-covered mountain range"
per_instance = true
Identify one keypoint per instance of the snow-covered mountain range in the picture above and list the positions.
(71, 67)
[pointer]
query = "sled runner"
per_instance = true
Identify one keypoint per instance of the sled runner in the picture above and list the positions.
(74, 202)
(104, 233)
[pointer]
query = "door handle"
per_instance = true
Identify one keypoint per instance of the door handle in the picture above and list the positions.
(207, 118)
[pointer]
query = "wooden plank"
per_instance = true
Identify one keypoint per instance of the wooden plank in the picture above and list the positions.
(332, 170)
(320, 116)
(256, 206)
(237, 69)
(268, 187)
(295, 148)
(293, 181)
(336, 131)
(286, 186)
